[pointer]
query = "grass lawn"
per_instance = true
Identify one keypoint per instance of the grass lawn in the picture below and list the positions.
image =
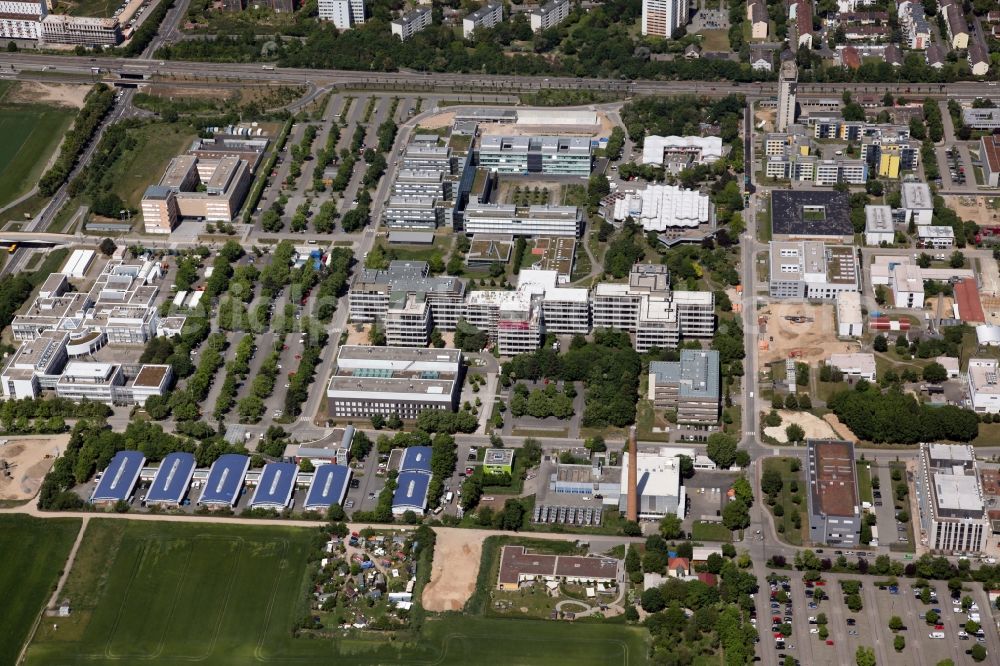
(715, 40)
(646, 419)
(33, 552)
(156, 144)
(826, 390)
(31, 133)
(702, 531)
(53, 262)
(784, 524)
(989, 435)
(865, 481)
(96, 8)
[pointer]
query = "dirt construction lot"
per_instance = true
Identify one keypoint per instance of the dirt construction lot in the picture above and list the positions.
(454, 572)
(24, 461)
(975, 209)
(814, 427)
(810, 341)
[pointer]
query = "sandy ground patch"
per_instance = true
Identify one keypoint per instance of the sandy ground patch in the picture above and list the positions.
(440, 120)
(24, 462)
(812, 341)
(842, 430)
(736, 298)
(356, 336)
(768, 117)
(454, 572)
(814, 426)
(974, 208)
(63, 94)
(946, 305)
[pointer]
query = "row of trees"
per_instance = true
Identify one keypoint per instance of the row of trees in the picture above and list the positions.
(96, 104)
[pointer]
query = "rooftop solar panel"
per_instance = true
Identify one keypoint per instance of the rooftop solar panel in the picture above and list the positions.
(120, 477)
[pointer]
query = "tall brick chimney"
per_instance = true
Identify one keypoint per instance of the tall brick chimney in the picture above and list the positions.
(632, 509)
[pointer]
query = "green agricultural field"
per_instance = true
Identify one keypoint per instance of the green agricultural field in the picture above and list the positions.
(167, 593)
(33, 551)
(31, 133)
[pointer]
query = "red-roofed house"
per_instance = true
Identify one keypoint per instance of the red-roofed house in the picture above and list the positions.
(678, 567)
(803, 14)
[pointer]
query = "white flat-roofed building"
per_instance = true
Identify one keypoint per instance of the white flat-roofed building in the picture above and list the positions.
(555, 155)
(516, 319)
(690, 386)
(855, 365)
(343, 13)
(411, 23)
(412, 212)
(659, 484)
(549, 15)
(523, 221)
(984, 385)
(662, 207)
(408, 321)
(81, 30)
(393, 380)
(849, 321)
(421, 183)
(664, 150)
(955, 518)
(938, 237)
(483, 18)
(78, 264)
(907, 285)
(916, 200)
(879, 227)
(811, 269)
(982, 119)
(35, 364)
(565, 310)
(98, 382)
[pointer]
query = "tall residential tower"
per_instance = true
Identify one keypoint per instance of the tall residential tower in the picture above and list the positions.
(787, 83)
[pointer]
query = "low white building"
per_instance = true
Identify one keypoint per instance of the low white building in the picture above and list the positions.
(849, 320)
(664, 150)
(949, 363)
(936, 236)
(662, 207)
(984, 386)
(859, 365)
(916, 200)
(907, 285)
(878, 225)
(659, 484)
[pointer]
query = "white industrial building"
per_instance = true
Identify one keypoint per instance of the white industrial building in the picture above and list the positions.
(78, 263)
(984, 387)
(878, 225)
(849, 319)
(659, 484)
(859, 365)
(811, 269)
(663, 150)
(662, 207)
(955, 518)
(917, 202)
(935, 236)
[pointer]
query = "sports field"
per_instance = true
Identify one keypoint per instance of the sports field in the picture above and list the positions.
(32, 552)
(31, 133)
(167, 593)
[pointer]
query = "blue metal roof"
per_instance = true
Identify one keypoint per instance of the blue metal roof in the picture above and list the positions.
(225, 479)
(411, 492)
(120, 477)
(172, 479)
(416, 459)
(274, 490)
(329, 486)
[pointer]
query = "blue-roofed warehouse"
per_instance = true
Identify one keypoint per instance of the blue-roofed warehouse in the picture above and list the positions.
(119, 479)
(329, 487)
(411, 493)
(225, 480)
(274, 490)
(416, 459)
(172, 480)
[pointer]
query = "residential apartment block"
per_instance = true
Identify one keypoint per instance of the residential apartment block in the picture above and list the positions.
(549, 15)
(954, 515)
(661, 18)
(411, 23)
(690, 386)
(81, 30)
(954, 20)
(22, 20)
(989, 152)
(483, 18)
(393, 380)
(343, 13)
(811, 269)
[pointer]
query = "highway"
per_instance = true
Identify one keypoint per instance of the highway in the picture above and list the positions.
(457, 82)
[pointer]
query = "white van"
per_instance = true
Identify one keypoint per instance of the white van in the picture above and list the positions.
(936, 634)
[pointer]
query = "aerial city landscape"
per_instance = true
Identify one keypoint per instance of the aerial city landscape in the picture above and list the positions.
(587, 333)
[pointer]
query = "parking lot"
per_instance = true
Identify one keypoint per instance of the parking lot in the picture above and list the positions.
(869, 627)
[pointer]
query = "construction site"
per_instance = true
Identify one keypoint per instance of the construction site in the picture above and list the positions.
(24, 462)
(802, 331)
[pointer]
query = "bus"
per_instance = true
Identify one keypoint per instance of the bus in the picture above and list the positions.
(13, 248)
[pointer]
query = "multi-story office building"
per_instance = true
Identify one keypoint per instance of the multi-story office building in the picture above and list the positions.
(989, 151)
(811, 269)
(81, 30)
(788, 79)
(206, 189)
(689, 386)
(834, 508)
(549, 15)
(22, 20)
(422, 183)
(936, 236)
(661, 18)
(483, 18)
(887, 158)
(647, 307)
(677, 153)
(412, 212)
(373, 290)
(879, 227)
(953, 514)
(982, 119)
(557, 155)
(343, 13)
(411, 23)
(408, 320)
(917, 203)
(393, 380)
(661, 207)
(523, 221)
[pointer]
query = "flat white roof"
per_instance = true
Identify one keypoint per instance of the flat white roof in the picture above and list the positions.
(849, 307)
(653, 147)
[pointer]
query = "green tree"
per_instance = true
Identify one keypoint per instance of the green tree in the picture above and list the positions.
(935, 373)
(898, 643)
(770, 482)
(978, 652)
(895, 623)
(670, 527)
(880, 344)
(795, 433)
(957, 259)
(722, 449)
(864, 656)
